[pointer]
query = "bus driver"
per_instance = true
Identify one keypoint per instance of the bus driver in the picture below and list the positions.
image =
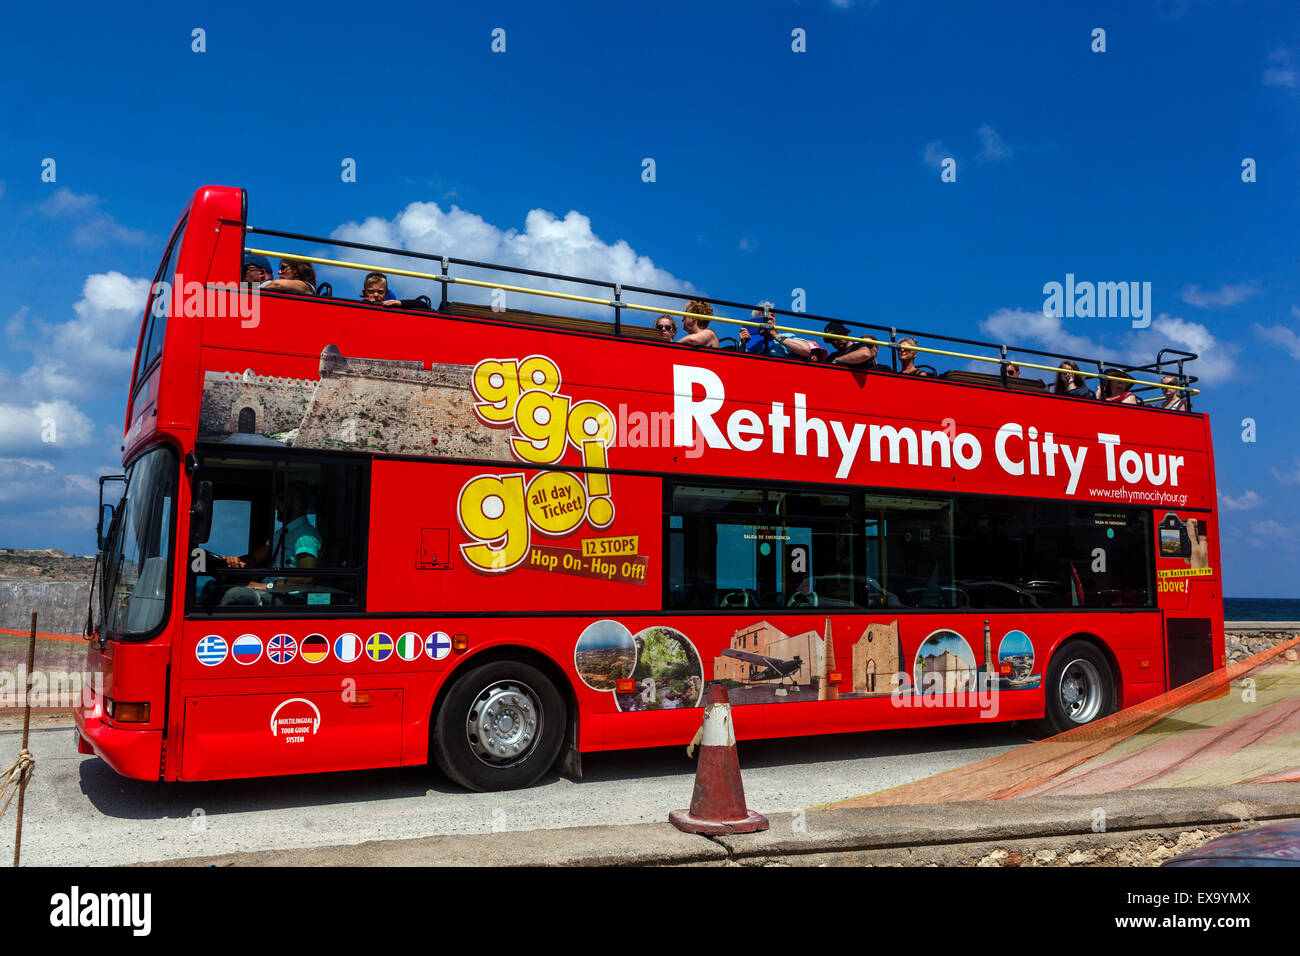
(297, 543)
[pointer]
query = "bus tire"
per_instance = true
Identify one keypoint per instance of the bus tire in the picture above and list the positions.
(500, 727)
(1080, 687)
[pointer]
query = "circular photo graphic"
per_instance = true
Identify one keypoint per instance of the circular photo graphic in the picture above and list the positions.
(1016, 660)
(605, 655)
(944, 664)
(668, 672)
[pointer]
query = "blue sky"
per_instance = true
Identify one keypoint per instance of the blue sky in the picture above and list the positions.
(774, 170)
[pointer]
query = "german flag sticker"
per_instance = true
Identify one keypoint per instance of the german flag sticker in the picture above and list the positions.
(314, 648)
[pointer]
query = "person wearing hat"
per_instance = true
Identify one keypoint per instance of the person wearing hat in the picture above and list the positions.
(858, 355)
(256, 270)
(1115, 388)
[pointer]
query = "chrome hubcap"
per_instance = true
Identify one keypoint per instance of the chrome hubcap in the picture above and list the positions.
(504, 723)
(1080, 691)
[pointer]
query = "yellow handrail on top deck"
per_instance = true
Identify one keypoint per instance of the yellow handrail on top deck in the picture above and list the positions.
(620, 304)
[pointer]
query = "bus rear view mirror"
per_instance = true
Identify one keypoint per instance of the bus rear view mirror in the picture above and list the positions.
(201, 513)
(104, 530)
(105, 523)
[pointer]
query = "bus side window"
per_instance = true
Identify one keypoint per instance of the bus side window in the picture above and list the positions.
(284, 534)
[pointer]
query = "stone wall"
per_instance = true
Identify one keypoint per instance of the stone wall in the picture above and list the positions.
(277, 404)
(369, 404)
(1244, 640)
(60, 605)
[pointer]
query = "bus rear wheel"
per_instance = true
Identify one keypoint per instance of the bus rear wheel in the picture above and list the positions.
(1080, 687)
(500, 727)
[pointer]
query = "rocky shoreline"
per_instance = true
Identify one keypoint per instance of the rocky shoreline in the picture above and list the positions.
(1245, 638)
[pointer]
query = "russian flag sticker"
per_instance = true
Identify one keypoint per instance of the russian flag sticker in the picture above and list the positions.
(347, 647)
(247, 648)
(211, 650)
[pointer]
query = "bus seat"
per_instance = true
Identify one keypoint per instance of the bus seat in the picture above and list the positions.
(737, 599)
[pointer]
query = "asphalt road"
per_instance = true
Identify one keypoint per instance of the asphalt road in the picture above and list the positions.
(80, 813)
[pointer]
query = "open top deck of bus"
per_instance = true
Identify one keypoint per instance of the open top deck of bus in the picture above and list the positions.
(1167, 362)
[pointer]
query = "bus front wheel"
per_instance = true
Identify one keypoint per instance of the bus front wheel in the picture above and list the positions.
(1080, 687)
(500, 727)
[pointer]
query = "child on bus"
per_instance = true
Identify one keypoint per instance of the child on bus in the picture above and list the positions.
(375, 290)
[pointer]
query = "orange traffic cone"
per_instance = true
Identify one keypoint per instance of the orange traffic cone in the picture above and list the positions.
(718, 803)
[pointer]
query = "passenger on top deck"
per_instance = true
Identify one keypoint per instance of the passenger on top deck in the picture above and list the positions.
(860, 355)
(769, 341)
(666, 326)
(256, 270)
(1117, 391)
(696, 326)
(374, 289)
(907, 358)
(1012, 371)
(1174, 400)
(295, 276)
(1070, 382)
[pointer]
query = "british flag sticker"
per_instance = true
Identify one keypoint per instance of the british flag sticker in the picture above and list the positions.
(282, 648)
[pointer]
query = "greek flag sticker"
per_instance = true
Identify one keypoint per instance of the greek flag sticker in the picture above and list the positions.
(211, 650)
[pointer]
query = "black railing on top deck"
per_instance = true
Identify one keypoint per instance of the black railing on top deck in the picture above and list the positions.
(1174, 366)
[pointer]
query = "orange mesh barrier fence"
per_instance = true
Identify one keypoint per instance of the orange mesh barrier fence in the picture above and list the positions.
(42, 636)
(1034, 767)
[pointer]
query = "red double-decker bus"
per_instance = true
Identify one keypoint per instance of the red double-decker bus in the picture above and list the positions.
(496, 539)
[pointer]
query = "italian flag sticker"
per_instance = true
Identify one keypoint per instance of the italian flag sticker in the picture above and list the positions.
(409, 646)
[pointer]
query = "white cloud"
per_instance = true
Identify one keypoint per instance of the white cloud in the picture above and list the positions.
(547, 243)
(1131, 347)
(1280, 335)
(48, 426)
(1291, 477)
(1227, 295)
(1215, 359)
(94, 227)
(1241, 503)
(19, 475)
(89, 353)
(1283, 72)
(992, 146)
(934, 154)
(1035, 328)
(1270, 533)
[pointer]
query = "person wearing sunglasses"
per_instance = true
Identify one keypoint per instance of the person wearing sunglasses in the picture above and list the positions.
(295, 276)
(666, 326)
(1174, 400)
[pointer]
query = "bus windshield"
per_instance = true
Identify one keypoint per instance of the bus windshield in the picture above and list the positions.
(139, 548)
